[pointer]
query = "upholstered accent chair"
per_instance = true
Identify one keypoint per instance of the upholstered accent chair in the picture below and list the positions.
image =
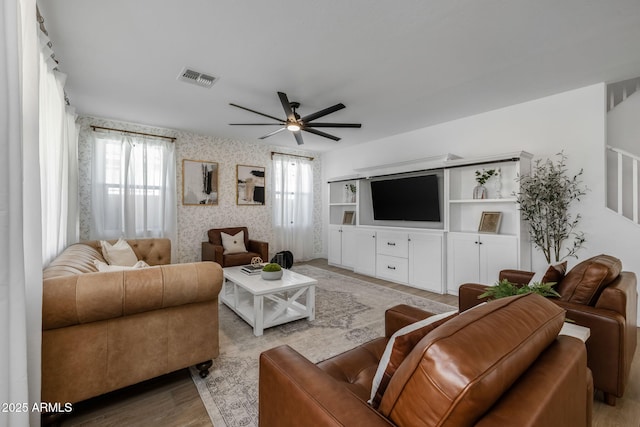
(213, 249)
(597, 294)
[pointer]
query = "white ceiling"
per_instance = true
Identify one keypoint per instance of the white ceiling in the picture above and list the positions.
(396, 65)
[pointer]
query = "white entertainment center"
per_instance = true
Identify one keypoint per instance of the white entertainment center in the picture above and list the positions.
(431, 255)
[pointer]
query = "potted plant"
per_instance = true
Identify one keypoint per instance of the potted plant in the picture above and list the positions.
(544, 199)
(271, 271)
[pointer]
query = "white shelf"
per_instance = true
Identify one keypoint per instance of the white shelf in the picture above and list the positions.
(343, 204)
(477, 201)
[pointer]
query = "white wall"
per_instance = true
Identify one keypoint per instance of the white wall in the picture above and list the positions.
(574, 122)
(623, 131)
(194, 221)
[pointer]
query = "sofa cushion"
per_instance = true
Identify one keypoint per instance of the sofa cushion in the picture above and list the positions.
(586, 280)
(119, 253)
(452, 376)
(233, 244)
(399, 346)
(355, 368)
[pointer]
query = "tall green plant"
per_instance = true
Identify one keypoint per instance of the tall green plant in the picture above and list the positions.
(544, 199)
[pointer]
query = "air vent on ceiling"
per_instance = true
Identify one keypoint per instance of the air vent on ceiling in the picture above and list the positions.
(197, 78)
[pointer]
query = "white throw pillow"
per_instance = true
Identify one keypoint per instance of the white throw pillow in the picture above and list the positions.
(552, 273)
(103, 266)
(406, 339)
(118, 254)
(233, 244)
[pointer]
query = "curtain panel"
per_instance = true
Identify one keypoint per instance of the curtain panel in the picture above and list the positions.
(58, 159)
(133, 187)
(293, 206)
(20, 248)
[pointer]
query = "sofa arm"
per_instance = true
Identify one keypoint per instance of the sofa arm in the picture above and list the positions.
(295, 392)
(211, 252)
(259, 247)
(610, 345)
(519, 277)
(92, 297)
(621, 296)
(399, 316)
(468, 294)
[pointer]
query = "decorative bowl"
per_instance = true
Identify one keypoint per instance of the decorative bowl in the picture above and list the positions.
(271, 275)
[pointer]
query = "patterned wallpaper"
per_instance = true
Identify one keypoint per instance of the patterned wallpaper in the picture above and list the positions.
(194, 221)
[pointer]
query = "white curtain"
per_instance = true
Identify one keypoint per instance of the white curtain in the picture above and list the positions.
(58, 160)
(133, 187)
(293, 206)
(20, 247)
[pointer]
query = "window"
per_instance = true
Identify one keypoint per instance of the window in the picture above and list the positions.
(133, 188)
(293, 205)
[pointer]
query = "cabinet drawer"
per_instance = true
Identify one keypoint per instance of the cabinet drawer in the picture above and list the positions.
(393, 244)
(392, 268)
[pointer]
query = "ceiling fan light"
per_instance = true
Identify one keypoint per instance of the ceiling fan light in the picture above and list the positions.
(293, 127)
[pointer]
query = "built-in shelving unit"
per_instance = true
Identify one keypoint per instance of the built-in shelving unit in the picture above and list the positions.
(455, 250)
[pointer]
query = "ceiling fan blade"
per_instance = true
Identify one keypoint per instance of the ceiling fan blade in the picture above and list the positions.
(257, 124)
(256, 112)
(322, 113)
(272, 133)
(287, 106)
(298, 136)
(320, 133)
(333, 125)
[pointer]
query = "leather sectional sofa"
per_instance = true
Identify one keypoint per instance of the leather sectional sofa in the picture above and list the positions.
(107, 330)
(596, 294)
(499, 364)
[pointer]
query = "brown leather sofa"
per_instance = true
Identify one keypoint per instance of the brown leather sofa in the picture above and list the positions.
(212, 250)
(500, 364)
(597, 294)
(105, 330)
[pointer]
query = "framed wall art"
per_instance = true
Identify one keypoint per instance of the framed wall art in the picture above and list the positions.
(250, 185)
(490, 222)
(199, 182)
(349, 217)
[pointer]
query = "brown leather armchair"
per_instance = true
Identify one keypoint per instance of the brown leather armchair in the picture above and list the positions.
(463, 372)
(598, 295)
(212, 250)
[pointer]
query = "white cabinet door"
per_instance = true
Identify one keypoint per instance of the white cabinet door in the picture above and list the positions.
(348, 246)
(334, 250)
(425, 262)
(496, 253)
(365, 252)
(463, 260)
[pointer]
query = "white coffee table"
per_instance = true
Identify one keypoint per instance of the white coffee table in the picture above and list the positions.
(266, 303)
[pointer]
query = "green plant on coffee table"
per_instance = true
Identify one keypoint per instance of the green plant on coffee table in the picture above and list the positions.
(482, 177)
(504, 288)
(271, 267)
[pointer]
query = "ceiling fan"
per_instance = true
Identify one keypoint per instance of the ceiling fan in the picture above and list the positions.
(295, 123)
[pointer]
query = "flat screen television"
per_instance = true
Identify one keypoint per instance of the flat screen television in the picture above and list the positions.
(414, 198)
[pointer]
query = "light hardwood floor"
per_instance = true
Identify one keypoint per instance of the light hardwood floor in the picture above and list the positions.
(172, 400)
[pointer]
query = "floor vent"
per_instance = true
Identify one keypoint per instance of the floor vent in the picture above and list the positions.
(197, 78)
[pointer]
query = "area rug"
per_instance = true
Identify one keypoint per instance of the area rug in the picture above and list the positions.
(349, 312)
